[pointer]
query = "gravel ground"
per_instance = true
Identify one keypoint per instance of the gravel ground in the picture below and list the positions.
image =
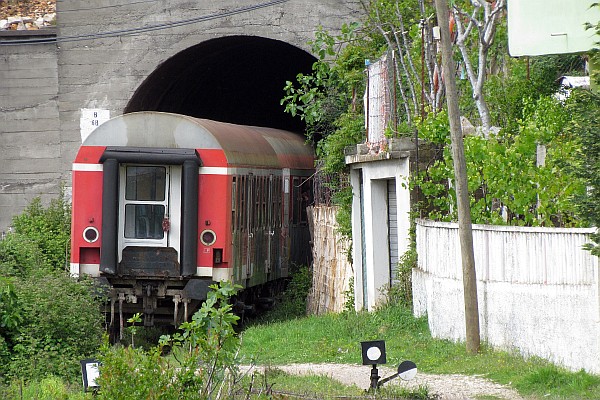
(446, 387)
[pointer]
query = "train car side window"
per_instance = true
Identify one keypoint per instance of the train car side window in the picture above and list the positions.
(279, 198)
(243, 211)
(306, 199)
(234, 204)
(295, 201)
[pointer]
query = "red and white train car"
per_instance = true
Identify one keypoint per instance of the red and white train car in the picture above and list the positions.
(166, 204)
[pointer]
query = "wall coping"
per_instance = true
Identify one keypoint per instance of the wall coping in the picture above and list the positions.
(504, 228)
(46, 32)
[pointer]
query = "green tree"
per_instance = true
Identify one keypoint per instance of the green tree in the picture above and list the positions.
(503, 176)
(585, 108)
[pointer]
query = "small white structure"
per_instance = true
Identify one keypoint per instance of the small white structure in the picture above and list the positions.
(379, 171)
(380, 217)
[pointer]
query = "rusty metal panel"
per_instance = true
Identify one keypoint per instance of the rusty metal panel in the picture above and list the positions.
(149, 262)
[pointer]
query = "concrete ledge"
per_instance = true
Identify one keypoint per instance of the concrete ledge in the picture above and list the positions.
(45, 32)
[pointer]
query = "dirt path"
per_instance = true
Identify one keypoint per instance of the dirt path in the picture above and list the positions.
(447, 387)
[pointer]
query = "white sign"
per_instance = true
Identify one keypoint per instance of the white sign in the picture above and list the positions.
(91, 118)
(537, 27)
(92, 374)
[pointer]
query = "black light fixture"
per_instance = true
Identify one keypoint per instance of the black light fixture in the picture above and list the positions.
(373, 353)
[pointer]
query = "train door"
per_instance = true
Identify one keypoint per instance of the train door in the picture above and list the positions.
(149, 206)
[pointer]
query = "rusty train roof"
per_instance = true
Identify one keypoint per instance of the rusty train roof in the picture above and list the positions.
(242, 145)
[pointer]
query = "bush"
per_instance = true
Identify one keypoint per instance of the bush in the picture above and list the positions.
(585, 107)
(20, 256)
(61, 324)
(400, 293)
(48, 320)
(49, 228)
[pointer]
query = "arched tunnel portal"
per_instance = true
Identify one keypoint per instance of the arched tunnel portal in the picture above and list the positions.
(236, 79)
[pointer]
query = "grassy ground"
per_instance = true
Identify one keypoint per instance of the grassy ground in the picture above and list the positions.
(336, 338)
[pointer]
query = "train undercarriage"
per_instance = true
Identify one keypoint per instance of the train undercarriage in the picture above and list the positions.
(172, 302)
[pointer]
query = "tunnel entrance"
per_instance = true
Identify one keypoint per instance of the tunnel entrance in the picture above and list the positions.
(236, 79)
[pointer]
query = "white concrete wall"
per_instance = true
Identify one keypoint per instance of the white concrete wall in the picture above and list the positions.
(538, 291)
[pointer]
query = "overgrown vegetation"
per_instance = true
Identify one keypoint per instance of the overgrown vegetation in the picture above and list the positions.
(336, 338)
(292, 302)
(48, 320)
(506, 184)
(585, 125)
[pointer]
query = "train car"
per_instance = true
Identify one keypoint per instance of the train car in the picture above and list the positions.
(165, 205)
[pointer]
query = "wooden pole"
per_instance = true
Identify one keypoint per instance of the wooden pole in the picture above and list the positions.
(460, 177)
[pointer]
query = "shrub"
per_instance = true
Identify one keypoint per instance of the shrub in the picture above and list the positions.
(49, 228)
(19, 256)
(48, 320)
(294, 297)
(61, 324)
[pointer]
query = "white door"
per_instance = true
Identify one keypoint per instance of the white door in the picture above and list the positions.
(149, 206)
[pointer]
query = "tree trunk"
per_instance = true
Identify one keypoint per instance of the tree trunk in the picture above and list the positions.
(460, 176)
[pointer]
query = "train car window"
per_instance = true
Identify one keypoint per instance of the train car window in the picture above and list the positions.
(144, 221)
(243, 189)
(271, 205)
(278, 199)
(306, 199)
(145, 183)
(263, 198)
(234, 201)
(295, 201)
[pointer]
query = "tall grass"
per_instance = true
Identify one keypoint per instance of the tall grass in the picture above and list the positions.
(49, 388)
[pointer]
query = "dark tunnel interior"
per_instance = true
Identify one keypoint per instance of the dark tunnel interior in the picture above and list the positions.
(236, 79)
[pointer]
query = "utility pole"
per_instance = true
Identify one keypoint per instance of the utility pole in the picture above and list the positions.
(465, 231)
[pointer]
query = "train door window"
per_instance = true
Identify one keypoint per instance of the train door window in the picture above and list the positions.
(250, 202)
(259, 194)
(145, 202)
